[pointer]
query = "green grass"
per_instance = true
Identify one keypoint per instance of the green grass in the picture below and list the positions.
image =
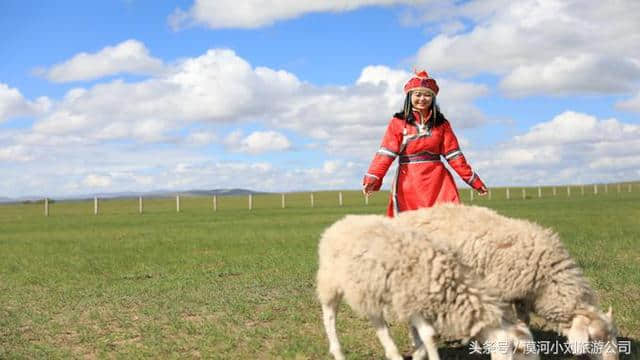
(235, 283)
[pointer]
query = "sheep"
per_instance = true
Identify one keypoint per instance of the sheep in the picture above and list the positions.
(527, 264)
(384, 271)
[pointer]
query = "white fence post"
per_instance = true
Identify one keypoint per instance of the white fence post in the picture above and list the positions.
(366, 200)
(524, 193)
(606, 188)
(284, 203)
(215, 202)
(250, 201)
(312, 202)
(568, 190)
(140, 204)
(595, 189)
(470, 194)
(46, 206)
(489, 194)
(177, 203)
(539, 191)
(340, 198)
(508, 194)
(95, 205)
(554, 191)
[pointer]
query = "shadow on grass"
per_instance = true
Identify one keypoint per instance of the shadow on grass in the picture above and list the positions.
(459, 352)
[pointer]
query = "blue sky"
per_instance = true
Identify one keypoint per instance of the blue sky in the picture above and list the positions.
(144, 95)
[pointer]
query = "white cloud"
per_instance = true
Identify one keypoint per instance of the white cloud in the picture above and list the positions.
(201, 138)
(12, 104)
(258, 142)
(97, 181)
(632, 104)
(220, 87)
(564, 75)
(15, 153)
(256, 13)
(571, 148)
(130, 56)
(553, 46)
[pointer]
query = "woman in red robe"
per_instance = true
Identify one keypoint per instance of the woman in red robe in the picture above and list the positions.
(420, 136)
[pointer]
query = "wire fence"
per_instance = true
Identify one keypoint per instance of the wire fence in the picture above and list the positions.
(180, 202)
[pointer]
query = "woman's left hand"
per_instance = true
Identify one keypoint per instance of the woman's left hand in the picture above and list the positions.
(483, 191)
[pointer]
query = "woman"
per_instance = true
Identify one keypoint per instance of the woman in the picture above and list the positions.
(419, 135)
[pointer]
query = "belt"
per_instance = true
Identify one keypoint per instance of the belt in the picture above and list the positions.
(423, 157)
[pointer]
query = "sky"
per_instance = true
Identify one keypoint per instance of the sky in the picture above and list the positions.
(288, 95)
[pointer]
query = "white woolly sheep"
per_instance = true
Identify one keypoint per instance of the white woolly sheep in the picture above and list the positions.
(384, 271)
(527, 264)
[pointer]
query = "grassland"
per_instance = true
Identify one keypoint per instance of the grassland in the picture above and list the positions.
(234, 283)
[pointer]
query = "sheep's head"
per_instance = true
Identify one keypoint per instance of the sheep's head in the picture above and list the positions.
(593, 333)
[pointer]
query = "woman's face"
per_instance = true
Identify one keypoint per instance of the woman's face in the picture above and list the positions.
(421, 100)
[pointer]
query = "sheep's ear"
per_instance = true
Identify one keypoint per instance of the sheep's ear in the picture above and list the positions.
(578, 334)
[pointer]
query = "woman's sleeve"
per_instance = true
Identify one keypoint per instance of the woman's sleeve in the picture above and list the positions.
(455, 158)
(384, 156)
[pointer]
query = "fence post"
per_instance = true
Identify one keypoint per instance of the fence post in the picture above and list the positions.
(250, 201)
(489, 194)
(215, 202)
(618, 188)
(554, 191)
(177, 203)
(312, 202)
(524, 193)
(471, 194)
(283, 201)
(46, 206)
(95, 205)
(606, 188)
(340, 198)
(539, 191)
(595, 189)
(507, 193)
(568, 190)
(140, 204)
(366, 200)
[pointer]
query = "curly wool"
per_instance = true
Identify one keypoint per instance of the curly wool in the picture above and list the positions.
(382, 268)
(520, 259)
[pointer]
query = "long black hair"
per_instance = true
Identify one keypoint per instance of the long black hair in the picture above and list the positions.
(436, 119)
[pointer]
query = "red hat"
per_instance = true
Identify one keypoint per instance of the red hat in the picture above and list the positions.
(422, 81)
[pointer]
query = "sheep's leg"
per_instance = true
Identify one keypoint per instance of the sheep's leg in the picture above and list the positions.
(329, 312)
(382, 330)
(416, 342)
(427, 335)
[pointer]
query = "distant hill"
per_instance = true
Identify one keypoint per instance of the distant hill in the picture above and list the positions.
(130, 194)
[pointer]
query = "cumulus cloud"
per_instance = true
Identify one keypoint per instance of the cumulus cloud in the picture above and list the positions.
(632, 104)
(130, 56)
(217, 14)
(12, 104)
(15, 153)
(220, 87)
(554, 47)
(97, 181)
(571, 148)
(201, 138)
(257, 142)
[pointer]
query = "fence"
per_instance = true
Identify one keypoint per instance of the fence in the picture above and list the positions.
(355, 198)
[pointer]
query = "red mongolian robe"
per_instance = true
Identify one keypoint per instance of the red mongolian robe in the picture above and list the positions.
(422, 178)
